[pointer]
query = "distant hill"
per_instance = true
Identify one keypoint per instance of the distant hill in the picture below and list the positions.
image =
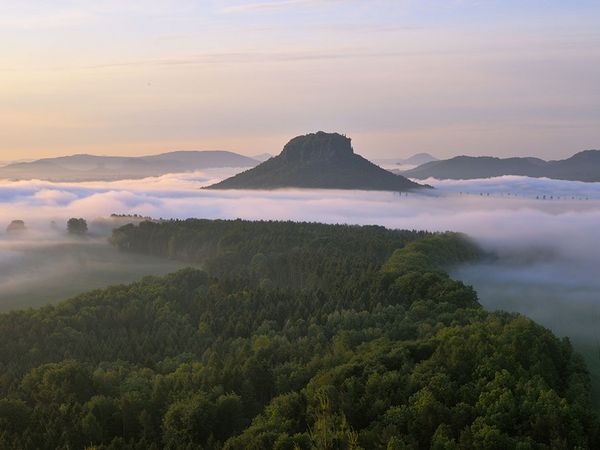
(414, 160)
(109, 168)
(318, 160)
(583, 166)
(417, 159)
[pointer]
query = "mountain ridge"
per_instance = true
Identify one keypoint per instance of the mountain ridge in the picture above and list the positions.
(582, 166)
(86, 167)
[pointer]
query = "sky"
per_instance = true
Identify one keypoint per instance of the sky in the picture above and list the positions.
(449, 77)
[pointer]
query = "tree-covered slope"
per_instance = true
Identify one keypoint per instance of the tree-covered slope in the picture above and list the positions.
(318, 160)
(375, 351)
(583, 166)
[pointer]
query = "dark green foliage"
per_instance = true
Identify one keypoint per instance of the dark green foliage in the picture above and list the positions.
(371, 350)
(318, 160)
(433, 253)
(288, 254)
(77, 226)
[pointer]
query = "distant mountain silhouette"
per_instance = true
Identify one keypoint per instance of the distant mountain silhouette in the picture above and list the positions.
(417, 159)
(414, 160)
(318, 160)
(583, 166)
(108, 168)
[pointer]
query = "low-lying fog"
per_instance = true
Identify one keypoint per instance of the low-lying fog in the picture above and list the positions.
(41, 269)
(545, 233)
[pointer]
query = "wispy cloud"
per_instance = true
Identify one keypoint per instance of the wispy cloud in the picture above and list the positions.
(60, 19)
(271, 5)
(35, 16)
(249, 57)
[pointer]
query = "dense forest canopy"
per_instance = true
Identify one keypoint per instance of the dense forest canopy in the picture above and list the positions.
(292, 336)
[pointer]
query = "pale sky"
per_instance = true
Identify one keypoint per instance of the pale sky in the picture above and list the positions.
(493, 77)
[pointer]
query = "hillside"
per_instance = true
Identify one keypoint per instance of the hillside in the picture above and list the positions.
(319, 160)
(109, 168)
(583, 166)
(298, 336)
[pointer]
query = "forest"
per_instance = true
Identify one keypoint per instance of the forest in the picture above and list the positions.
(285, 335)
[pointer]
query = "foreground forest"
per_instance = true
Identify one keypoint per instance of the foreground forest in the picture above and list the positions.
(292, 336)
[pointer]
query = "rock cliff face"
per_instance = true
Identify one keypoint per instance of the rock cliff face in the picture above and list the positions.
(318, 160)
(320, 146)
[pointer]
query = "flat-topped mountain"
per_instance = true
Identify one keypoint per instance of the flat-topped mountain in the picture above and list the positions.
(318, 160)
(108, 168)
(583, 166)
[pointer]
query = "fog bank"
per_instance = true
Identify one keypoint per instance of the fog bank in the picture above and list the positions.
(38, 269)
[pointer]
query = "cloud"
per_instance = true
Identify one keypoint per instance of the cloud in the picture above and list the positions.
(519, 186)
(39, 15)
(499, 209)
(254, 57)
(36, 21)
(272, 5)
(54, 196)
